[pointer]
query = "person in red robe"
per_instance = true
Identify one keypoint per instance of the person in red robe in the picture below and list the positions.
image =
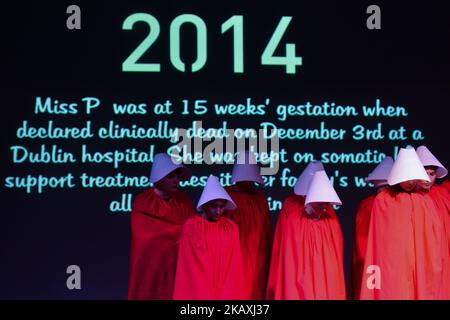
(403, 254)
(378, 177)
(441, 197)
(253, 220)
(307, 253)
(293, 203)
(157, 218)
(209, 260)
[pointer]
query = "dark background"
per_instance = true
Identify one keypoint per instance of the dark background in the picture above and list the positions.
(405, 63)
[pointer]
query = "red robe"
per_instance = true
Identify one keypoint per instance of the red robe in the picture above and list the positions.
(404, 246)
(307, 255)
(156, 226)
(441, 198)
(209, 261)
(255, 231)
(362, 222)
(446, 184)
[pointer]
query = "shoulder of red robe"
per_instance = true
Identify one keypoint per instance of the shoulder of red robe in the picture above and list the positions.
(193, 222)
(366, 202)
(229, 222)
(142, 201)
(441, 190)
(384, 198)
(293, 203)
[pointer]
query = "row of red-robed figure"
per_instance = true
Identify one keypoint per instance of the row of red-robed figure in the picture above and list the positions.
(405, 235)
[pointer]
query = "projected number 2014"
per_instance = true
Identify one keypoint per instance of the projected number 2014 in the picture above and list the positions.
(236, 23)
